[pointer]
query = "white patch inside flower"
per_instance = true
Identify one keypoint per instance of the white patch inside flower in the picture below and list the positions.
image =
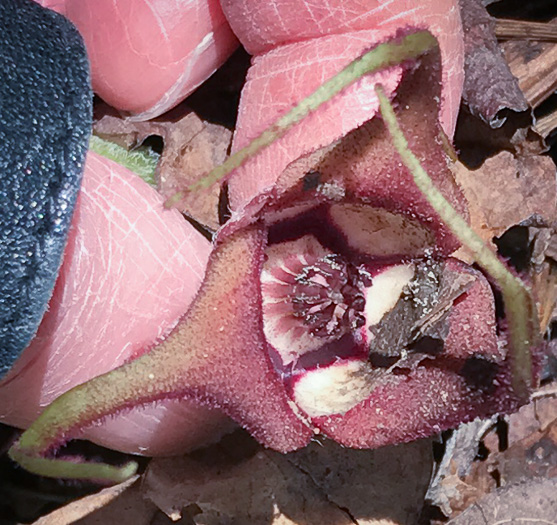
(378, 232)
(385, 291)
(272, 217)
(334, 389)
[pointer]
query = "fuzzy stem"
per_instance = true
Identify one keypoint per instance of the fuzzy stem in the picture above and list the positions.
(206, 357)
(142, 161)
(58, 468)
(517, 298)
(380, 57)
(76, 408)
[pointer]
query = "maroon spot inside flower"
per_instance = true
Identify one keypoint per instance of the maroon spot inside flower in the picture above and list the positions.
(327, 296)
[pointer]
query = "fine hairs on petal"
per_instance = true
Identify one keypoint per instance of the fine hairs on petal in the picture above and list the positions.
(519, 304)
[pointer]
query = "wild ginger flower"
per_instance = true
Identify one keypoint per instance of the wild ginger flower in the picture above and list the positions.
(329, 303)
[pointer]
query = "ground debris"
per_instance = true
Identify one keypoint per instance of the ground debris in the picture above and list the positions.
(531, 52)
(489, 85)
(529, 502)
(483, 456)
(507, 190)
(113, 505)
(191, 148)
(323, 483)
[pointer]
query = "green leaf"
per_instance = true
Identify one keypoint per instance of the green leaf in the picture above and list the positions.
(142, 161)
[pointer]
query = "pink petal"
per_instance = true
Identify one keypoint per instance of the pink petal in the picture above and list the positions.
(147, 56)
(130, 271)
(282, 77)
(56, 5)
(373, 191)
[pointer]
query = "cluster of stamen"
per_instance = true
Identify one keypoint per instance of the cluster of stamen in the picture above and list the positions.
(327, 296)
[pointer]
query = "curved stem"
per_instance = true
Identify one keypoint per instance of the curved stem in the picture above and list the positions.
(215, 354)
(380, 57)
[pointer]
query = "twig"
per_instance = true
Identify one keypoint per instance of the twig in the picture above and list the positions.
(525, 30)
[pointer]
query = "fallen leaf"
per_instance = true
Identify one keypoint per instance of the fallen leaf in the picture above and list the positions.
(323, 483)
(495, 114)
(86, 509)
(543, 242)
(507, 190)
(526, 451)
(185, 161)
(489, 85)
(264, 488)
(532, 502)
(377, 487)
(192, 147)
(535, 453)
(448, 490)
(534, 65)
(546, 407)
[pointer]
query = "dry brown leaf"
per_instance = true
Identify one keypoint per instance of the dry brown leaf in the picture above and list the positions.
(192, 148)
(530, 453)
(320, 484)
(462, 493)
(507, 190)
(264, 489)
(185, 160)
(535, 453)
(448, 490)
(377, 487)
(85, 509)
(489, 86)
(532, 502)
(534, 65)
(495, 114)
(546, 406)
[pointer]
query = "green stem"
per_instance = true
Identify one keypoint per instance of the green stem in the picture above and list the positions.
(519, 307)
(82, 403)
(380, 57)
(59, 468)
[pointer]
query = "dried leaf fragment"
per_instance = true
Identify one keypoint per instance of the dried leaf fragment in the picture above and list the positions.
(323, 483)
(507, 190)
(533, 64)
(489, 85)
(192, 147)
(530, 502)
(85, 509)
(265, 489)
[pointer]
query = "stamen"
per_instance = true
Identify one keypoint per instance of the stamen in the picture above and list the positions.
(327, 296)
(311, 297)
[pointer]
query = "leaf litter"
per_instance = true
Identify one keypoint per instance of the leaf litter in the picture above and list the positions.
(323, 483)
(485, 471)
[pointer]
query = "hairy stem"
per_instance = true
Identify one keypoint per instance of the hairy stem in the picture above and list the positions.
(380, 57)
(519, 307)
(141, 161)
